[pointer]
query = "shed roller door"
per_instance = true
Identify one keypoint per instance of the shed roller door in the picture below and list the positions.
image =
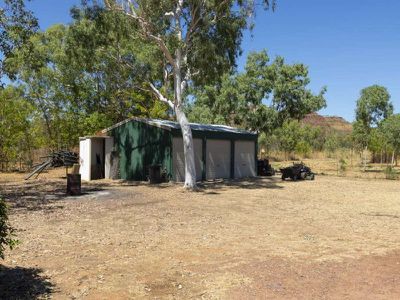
(245, 164)
(178, 159)
(218, 163)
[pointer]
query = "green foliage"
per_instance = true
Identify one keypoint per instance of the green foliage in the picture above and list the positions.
(303, 148)
(17, 24)
(391, 131)
(360, 135)
(289, 135)
(331, 144)
(7, 236)
(391, 173)
(211, 32)
(16, 136)
(291, 98)
(377, 140)
(70, 78)
(342, 165)
(201, 114)
(373, 107)
(261, 98)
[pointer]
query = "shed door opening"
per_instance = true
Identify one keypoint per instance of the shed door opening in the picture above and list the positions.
(218, 161)
(245, 164)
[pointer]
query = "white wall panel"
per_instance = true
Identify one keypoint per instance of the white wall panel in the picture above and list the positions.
(178, 159)
(245, 164)
(109, 146)
(218, 163)
(85, 158)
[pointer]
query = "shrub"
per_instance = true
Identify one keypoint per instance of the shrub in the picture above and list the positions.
(390, 173)
(342, 165)
(304, 149)
(6, 231)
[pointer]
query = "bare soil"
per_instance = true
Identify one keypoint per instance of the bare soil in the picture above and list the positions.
(331, 238)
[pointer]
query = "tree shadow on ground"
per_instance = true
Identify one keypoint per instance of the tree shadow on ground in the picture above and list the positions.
(39, 194)
(212, 187)
(24, 283)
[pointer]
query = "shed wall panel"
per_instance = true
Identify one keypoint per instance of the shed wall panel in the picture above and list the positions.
(84, 159)
(140, 145)
(178, 159)
(109, 146)
(245, 164)
(218, 159)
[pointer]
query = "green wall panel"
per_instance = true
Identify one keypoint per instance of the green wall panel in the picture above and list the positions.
(139, 146)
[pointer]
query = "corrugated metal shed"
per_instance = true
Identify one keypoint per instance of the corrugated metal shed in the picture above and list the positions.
(139, 143)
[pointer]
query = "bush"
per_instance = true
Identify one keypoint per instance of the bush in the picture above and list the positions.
(304, 149)
(6, 231)
(342, 165)
(390, 173)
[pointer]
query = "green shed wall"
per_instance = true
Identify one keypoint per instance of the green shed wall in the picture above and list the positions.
(140, 145)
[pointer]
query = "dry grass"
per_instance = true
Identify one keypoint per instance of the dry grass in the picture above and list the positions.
(237, 239)
(331, 166)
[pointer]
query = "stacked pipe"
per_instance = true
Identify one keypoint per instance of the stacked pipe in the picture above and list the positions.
(56, 159)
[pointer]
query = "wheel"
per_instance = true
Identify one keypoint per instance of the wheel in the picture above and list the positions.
(294, 178)
(283, 177)
(312, 177)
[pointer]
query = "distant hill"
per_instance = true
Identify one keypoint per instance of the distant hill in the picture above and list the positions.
(334, 123)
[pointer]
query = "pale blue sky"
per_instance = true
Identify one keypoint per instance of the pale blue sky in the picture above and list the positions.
(347, 44)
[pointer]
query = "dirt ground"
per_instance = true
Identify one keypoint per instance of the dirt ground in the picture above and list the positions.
(332, 238)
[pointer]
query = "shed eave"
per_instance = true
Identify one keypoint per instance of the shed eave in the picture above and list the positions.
(94, 137)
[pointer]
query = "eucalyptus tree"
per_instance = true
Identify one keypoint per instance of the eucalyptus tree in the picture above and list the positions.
(16, 113)
(102, 46)
(17, 24)
(373, 107)
(261, 98)
(292, 98)
(391, 130)
(199, 41)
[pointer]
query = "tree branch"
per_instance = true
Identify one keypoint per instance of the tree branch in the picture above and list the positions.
(161, 97)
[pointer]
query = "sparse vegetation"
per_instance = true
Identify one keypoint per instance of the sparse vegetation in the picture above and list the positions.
(391, 173)
(7, 233)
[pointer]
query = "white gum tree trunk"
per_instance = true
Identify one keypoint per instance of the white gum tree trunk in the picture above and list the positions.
(188, 149)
